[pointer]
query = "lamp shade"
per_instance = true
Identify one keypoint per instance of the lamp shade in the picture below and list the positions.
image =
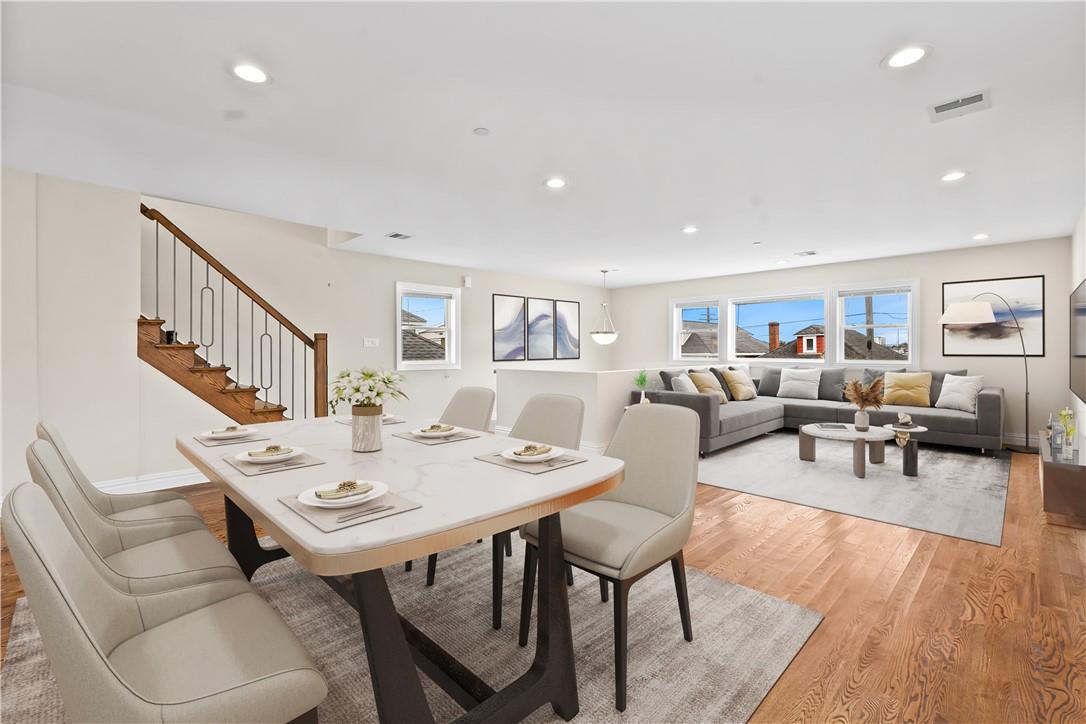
(968, 313)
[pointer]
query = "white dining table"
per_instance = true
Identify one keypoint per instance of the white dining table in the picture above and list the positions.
(461, 499)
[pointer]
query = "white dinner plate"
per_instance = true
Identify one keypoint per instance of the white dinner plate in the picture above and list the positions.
(309, 497)
(244, 457)
(556, 452)
(421, 432)
(228, 435)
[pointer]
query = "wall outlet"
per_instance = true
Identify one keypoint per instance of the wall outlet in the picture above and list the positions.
(371, 342)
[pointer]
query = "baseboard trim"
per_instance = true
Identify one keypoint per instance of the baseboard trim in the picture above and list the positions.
(1019, 439)
(595, 448)
(152, 481)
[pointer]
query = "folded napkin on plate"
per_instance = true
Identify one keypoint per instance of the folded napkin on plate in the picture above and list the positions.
(346, 489)
(532, 450)
(438, 427)
(228, 428)
(270, 451)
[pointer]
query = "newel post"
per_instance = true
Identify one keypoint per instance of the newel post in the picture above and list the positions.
(320, 374)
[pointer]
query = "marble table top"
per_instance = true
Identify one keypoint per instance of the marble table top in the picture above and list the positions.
(850, 433)
(461, 498)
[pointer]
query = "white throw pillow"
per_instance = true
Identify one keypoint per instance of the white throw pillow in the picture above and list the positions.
(799, 384)
(683, 383)
(960, 393)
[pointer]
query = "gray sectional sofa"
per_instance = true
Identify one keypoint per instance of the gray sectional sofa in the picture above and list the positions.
(734, 421)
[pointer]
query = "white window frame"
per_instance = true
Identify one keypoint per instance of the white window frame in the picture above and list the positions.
(452, 322)
(913, 286)
(675, 307)
(777, 296)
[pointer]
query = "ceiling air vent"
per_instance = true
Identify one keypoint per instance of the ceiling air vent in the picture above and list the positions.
(398, 235)
(979, 101)
(806, 253)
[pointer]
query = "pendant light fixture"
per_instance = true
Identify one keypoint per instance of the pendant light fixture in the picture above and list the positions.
(606, 332)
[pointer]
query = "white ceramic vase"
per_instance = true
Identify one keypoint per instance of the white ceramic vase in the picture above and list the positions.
(644, 399)
(862, 421)
(366, 428)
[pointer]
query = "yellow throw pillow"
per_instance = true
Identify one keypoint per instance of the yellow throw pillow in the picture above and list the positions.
(740, 384)
(707, 382)
(907, 388)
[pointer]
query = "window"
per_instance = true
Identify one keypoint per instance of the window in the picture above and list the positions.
(875, 324)
(428, 326)
(783, 327)
(695, 330)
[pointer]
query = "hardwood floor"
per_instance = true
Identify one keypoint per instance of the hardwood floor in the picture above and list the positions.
(918, 627)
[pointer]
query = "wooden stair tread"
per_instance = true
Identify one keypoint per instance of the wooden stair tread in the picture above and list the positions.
(155, 322)
(176, 345)
(267, 407)
(209, 368)
(235, 388)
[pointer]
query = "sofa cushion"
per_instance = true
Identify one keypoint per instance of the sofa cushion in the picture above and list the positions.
(871, 374)
(820, 410)
(666, 375)
(718, 372)
(770, 383)
(831, 385)
(747, 413)
(937, 377)
(933, 418)
(960, 393)
(740, 384)
(683, 383)
(800, 384)
(706, 382)
(907, 388)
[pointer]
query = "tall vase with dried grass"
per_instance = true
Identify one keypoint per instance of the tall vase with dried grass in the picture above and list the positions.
(864, 397)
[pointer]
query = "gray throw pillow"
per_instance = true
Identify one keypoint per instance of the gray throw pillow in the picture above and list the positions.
(937, 377)
(870, 375)
(666, 376)
(770, 383)
(720, 378)
(831, 385)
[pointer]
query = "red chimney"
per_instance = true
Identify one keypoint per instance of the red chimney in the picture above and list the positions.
(774, 335)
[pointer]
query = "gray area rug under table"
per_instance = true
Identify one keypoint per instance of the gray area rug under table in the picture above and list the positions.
(743, 641)
(957, 493)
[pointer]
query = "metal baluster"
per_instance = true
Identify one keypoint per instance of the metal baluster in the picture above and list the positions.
(252, 353)
(279, 389)
(237, 335)
(173, 322)
(222, 325)
(156, 270)
(305, 384)
(190, 296)
(207, 287)
(292, 408)
(271, 372)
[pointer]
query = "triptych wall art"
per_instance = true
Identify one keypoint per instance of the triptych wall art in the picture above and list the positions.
(530, 328)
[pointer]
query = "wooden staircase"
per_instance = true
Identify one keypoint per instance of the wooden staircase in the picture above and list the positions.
(262, 399)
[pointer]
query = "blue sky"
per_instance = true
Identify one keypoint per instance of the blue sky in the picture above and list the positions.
(796, 314)
(432, 310)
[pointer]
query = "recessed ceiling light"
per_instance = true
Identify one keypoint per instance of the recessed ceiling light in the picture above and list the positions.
(690, 229)
(979, 237)
(554, 182)
(756, 243)
(906, 56)
(480, 131)
(952, 176)
(250, 73)
(782, 262)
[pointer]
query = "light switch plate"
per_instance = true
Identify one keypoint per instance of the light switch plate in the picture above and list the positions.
(371, 342)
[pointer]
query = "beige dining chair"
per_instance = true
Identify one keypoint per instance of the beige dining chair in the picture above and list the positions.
(626, 533)
(545, 418)
(129, 506)
(470, 407)
(138, 556)
(205, 653)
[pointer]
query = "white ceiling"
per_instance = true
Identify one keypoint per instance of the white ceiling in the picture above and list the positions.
(770, 122)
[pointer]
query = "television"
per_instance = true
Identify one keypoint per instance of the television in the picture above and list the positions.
(1078, 341)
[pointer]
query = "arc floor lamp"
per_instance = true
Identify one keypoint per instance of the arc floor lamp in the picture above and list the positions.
(974, 312)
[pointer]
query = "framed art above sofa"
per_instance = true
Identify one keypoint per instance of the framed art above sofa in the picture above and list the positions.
(1025, 295)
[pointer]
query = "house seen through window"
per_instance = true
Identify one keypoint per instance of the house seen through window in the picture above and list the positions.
(780, 328)
(698, 331)
(428, 331)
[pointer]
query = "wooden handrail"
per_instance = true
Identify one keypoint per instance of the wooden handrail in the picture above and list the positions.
(156, 215)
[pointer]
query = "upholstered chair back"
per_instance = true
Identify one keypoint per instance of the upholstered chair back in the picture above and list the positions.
(659, 444)
(470, 407)
(48, 431)
(80, 616)
(551, 419)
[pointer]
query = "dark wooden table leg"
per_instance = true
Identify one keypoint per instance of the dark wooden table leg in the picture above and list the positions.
(396, 686)
(497, 579)
(910, 456)
(242, 542)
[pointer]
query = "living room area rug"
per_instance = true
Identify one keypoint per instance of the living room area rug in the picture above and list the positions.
(957, 493)
(743, 642)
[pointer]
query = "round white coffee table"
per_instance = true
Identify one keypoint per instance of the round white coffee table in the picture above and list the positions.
(910, 450)
(873, 438)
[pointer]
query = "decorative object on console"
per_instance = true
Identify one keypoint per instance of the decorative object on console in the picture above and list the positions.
(976, 331)
(978, 319)
(605, 333)
(960, 392)
(567, 329)
(541, 340)
(740, 384)
(799, 384)
(641, 382)
(366, 390)
(907, 388)
(864, 396)
(509, 327)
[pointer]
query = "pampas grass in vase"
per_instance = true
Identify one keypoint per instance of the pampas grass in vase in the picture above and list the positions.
(864, 397)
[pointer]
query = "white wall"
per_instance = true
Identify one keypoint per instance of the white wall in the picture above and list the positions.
(644, 344)
(1078, 274)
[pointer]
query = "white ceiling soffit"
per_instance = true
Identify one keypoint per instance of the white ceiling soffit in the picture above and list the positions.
(766, 122)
